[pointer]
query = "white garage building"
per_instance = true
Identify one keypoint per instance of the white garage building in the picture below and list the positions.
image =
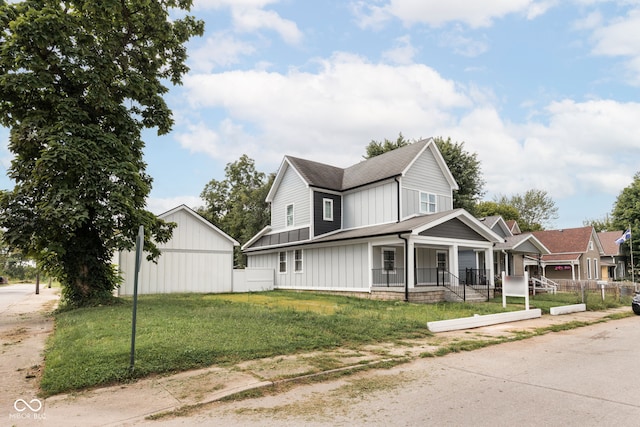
(198, 258)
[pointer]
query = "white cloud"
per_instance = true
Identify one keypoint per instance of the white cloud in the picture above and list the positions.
(251, 16)
(435, 13)
(402, 53)
(345, 104)
(220, 49)
(463, 45)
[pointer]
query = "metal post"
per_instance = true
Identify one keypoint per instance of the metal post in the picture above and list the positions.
(139, 246)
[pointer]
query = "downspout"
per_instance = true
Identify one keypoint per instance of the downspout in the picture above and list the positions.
(398, 198)
(406, 267)
(406, 248)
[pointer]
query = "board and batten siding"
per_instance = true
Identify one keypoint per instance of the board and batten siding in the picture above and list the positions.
(340, 268)
(197, 258)
(292, 190)
(411, 202)
(425, 175)
(372, 205)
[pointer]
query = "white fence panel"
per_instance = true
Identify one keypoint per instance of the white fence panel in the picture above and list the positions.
(253, 279)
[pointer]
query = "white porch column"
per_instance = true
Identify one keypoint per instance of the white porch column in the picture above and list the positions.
(573, 272)
(411, 264)
(488, 256)
(453, 260)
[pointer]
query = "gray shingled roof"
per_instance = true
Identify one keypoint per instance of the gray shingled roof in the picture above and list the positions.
(406, 226)
(387, 165)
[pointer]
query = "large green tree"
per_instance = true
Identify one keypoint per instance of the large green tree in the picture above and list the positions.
(464, 166)
(626, 215)
(375, 148)
(536, 208)
(79, 81)
(237, 203)
(507, 212)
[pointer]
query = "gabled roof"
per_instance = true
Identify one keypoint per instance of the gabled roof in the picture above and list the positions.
(385, 166)
(519, 242)
(513, 226)
(608, 241)
(568, 241)
(497, 224)
(199, 218)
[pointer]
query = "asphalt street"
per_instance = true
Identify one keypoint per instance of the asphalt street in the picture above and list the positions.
(13, 294)
(582, 377)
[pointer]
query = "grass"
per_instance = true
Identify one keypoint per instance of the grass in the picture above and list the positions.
(178, 332)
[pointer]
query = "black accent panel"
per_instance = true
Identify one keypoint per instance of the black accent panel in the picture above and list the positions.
(455, 229)
(320, 226)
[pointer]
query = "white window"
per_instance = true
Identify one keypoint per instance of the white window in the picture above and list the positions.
(327, 209)
(595, 269)
(283, 262)
(298, 260)
(588, 268)
(427, 203)
(590, 245)
(388, 259)
(289, 216)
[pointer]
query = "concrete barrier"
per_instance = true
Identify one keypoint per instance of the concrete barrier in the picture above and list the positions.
(566, 309)
(484, 320)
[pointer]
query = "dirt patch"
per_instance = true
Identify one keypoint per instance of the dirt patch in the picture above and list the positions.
(24, 329)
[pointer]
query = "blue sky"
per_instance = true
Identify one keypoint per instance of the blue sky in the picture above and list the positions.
(545, 92)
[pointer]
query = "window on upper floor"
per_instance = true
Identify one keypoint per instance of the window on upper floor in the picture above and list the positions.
(427, 203)
(590, 245)
(327, 209)
(289, 220)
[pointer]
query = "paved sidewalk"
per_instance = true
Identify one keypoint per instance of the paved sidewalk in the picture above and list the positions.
(131, 404)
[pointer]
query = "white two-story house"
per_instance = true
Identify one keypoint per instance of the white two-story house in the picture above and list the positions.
(386, 224)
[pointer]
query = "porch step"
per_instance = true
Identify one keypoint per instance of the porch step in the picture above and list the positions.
(471, 295)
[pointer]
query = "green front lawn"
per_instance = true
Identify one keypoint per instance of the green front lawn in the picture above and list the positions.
(179, 332)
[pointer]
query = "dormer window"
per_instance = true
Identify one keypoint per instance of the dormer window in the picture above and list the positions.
(289, 220)
(427, 203)
(327, 209)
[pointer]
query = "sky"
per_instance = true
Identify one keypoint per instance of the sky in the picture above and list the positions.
(545, 93)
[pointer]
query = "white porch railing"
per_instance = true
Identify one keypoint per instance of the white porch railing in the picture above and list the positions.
(544, 284)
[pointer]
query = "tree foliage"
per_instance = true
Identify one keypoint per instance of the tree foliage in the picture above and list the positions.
(464, 166)
(237, 203)
(600, 224)
(536, 208)
(626, 214)
(507, 212)
(79, 80)
(375, 148)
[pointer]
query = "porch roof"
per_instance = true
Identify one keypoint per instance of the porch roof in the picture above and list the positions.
(522, 243)
(561, 258)
(414, 225)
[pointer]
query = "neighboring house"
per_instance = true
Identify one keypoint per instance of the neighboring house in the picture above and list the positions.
(574, 254)
(198, 258)
(612, 262)
(384, 222)
(516, 248)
